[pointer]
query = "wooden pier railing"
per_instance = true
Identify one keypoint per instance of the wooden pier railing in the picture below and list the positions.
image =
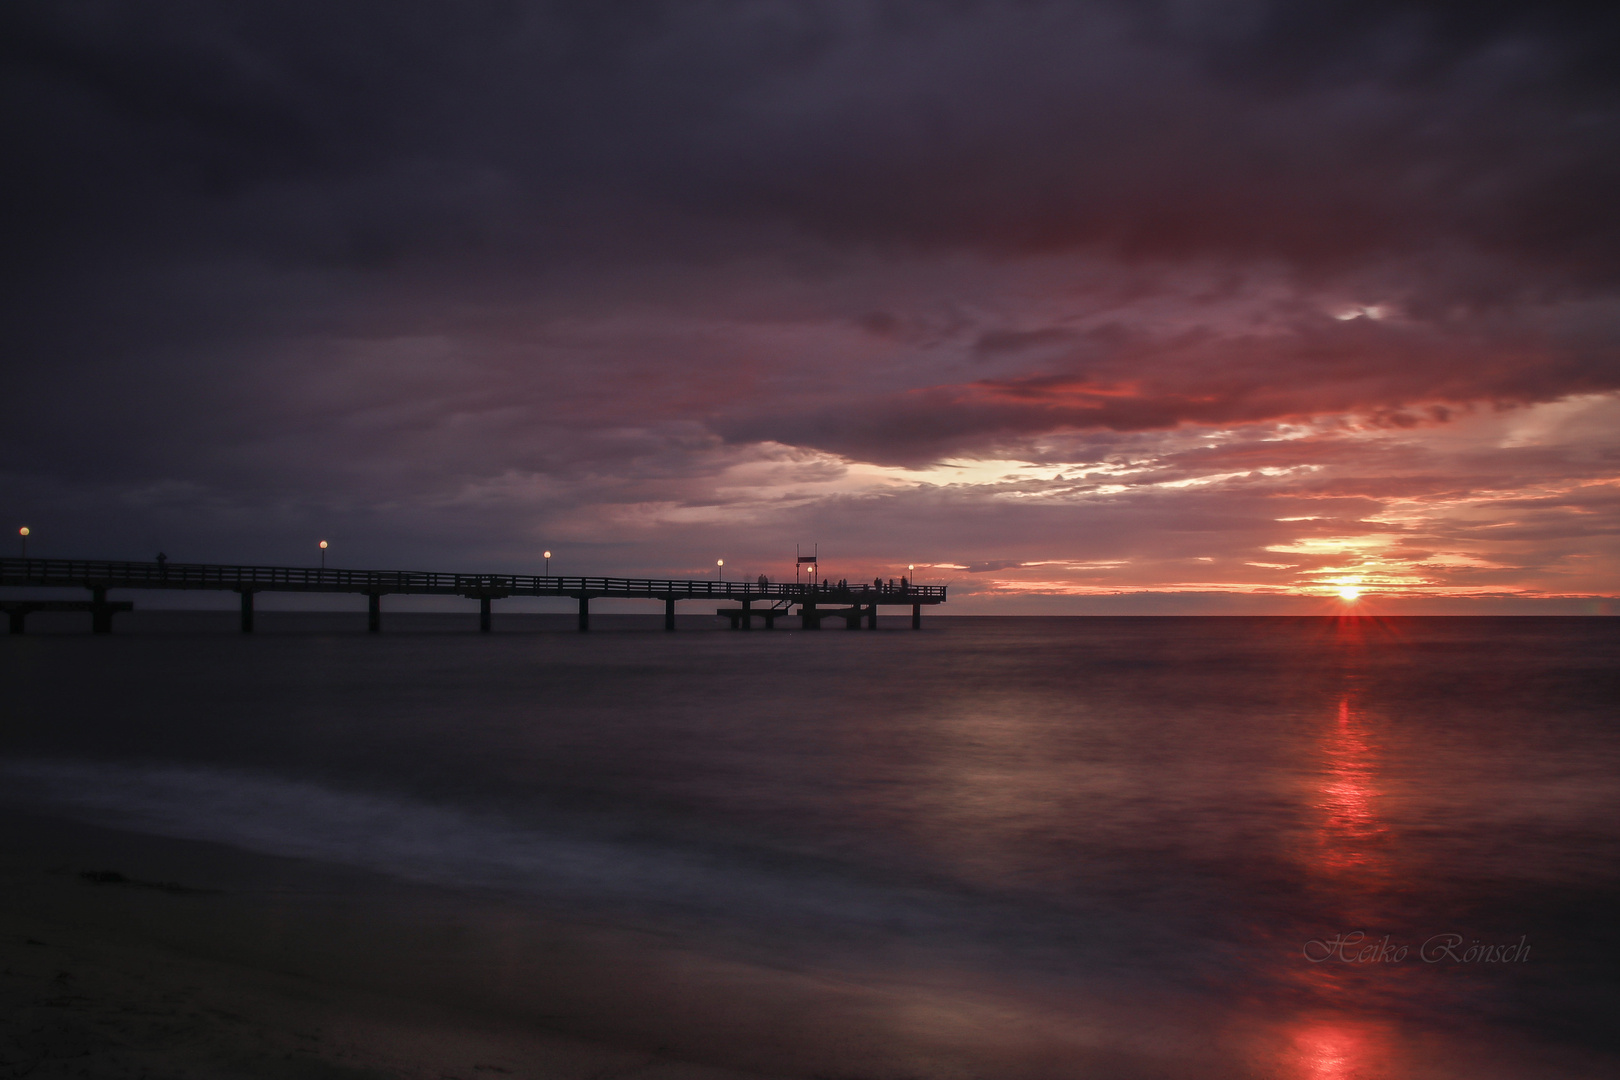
(815, 601)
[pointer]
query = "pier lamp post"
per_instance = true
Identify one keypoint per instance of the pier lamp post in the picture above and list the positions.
(548, 564)
(720, 569)
(323, 554)
(23, 533)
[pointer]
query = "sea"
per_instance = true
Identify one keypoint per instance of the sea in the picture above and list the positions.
(997, 847)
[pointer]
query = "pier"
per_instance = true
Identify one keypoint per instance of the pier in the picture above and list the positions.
(854, 603)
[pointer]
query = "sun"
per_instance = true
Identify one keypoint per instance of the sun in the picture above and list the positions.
(1349, 592)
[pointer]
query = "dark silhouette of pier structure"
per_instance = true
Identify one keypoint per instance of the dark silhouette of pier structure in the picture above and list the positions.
(760, 599)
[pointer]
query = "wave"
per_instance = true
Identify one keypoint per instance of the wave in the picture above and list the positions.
(444, 845)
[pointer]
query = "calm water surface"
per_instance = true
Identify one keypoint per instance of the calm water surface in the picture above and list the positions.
(1001, 847)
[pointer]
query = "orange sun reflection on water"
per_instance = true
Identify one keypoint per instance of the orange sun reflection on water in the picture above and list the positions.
(1351, 835)
(1348, 859)
(1334, 1050)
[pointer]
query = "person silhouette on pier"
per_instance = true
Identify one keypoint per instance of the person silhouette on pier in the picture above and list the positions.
(163, 568)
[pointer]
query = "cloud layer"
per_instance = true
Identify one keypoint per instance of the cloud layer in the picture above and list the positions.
(1074, 297)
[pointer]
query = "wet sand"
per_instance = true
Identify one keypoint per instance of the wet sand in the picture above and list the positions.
(129, 955)
(125, 955)
(243, 969)
(77, 1004)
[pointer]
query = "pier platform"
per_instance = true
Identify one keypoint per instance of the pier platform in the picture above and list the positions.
(765, 601)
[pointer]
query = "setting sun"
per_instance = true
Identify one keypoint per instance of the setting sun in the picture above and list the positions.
(1349, 592)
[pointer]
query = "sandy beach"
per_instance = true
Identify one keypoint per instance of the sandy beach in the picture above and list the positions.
(80, 1005)
(194, 960)
(105, 973)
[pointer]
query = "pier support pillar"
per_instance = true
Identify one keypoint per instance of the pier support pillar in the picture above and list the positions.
(747, 614)
(16, 617)
(584, 613)
(483, 614)
(669, 613)
(375, 622)
(871, 617)
(247, 611)
(916, 616)
(809, 617)
(100, 613)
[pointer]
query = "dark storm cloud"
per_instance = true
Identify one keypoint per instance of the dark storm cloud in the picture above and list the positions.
(1317, 133)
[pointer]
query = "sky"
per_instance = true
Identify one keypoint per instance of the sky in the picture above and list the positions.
(1135, 307)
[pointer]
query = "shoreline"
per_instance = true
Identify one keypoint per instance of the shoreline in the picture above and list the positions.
(209, 961)
(117, 978)
(125, 955)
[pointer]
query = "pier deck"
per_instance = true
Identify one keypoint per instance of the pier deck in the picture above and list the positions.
(813, 601)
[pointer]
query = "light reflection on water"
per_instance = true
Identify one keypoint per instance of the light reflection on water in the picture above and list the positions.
(1350, 867)
(1339, 1049)
(1351, 861)
(1352, 836)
